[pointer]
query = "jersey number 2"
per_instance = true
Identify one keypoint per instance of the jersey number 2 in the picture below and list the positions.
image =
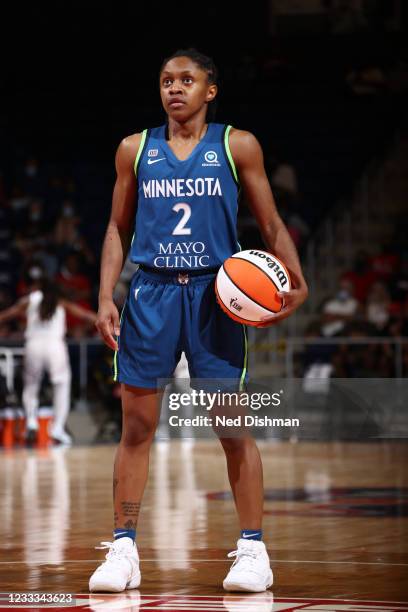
(181, 228)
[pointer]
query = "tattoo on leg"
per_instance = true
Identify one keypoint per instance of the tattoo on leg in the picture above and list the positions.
(130, 509)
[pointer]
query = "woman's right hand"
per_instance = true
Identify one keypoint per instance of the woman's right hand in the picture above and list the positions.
(107, 322)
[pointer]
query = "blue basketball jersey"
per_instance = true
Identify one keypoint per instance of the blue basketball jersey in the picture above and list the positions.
(187, 210)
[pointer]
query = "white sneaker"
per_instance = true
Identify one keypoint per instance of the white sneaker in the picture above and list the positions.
(61, 436)
(251, 570)
(120, 571)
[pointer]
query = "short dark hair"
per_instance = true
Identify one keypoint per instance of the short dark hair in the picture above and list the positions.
(204, 62)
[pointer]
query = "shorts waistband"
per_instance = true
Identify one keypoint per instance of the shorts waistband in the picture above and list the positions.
(177, 277)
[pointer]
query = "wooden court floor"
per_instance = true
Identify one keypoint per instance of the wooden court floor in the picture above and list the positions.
(336, 525)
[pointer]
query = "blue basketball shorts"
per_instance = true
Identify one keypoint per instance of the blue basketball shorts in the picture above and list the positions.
(163, 317)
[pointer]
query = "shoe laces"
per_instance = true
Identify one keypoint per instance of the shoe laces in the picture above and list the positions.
(113, 553)
(245, 557)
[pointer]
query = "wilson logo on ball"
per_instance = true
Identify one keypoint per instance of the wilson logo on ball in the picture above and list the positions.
(272, 263)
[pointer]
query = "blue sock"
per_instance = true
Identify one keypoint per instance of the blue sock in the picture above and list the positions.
(124, 533)
(251, 534)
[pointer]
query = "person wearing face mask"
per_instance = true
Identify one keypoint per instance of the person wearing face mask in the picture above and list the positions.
(30, 226)
(66, 228)
(378, 306)
(339, 310)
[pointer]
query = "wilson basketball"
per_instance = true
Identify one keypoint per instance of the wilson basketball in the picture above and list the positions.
(247, 284)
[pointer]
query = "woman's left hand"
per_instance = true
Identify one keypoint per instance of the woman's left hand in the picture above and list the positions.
(291, 301)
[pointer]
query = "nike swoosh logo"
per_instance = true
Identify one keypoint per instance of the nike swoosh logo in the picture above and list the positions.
(251, 535)
(119, 534)
(154, 161)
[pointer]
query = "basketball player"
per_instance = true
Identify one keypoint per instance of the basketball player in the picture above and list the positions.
(185, 177)
(46, 350)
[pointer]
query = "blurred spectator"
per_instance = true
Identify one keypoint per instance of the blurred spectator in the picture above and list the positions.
(72, 280)
(45, 351)
(362, 276)
(66, 228)
(77, 286)
(31, 229)
(378, 306)
(67, 235)
(339, 310)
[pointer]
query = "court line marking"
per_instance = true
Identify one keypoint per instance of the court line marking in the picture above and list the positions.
(189, 599)
(281, 598)
(172, 560)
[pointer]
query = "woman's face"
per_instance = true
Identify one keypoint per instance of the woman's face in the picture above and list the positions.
(184, 88)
